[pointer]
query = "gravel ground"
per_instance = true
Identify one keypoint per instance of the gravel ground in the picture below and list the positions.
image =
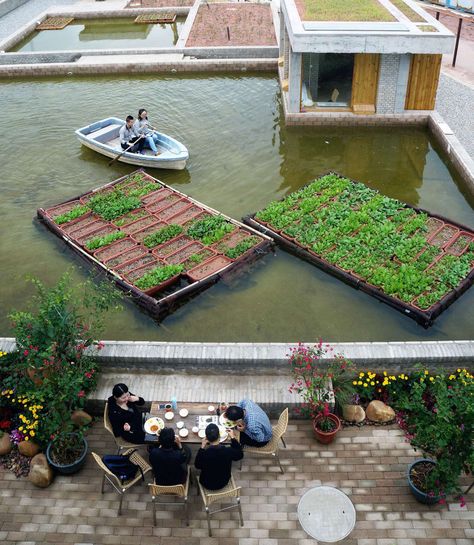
(455, 102)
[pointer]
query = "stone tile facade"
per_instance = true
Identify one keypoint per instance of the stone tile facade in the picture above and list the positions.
(387, 88)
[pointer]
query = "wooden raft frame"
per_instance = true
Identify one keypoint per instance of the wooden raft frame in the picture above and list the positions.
(54, 23)
(424, 318)
(154, 18)
(165, 305)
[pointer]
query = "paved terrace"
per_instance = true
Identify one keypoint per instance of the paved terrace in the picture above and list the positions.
(368, 464)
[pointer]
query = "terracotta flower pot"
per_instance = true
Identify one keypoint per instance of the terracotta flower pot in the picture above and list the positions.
(326, 437)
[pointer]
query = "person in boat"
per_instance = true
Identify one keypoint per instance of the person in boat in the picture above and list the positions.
(128, 136)
(124, 415)
(170, 459)
(142, 127)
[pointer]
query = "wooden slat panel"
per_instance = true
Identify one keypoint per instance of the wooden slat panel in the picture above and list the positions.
(364, 82)
(423, 82)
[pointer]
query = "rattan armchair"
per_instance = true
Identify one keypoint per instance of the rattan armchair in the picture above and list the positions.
(273, 446)
(117, 484)
(179, 490)
(121, 443)
(229, 492)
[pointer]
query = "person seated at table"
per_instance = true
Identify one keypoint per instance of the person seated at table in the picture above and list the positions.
(124, 415)
(215, 459)
(130, 138)
(252, 422)
(170, 459)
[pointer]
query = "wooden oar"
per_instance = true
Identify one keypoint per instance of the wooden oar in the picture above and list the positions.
(125, 150)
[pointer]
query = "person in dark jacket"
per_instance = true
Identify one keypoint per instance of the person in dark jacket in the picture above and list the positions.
(170, 459)
(215, 460)
(125, 417)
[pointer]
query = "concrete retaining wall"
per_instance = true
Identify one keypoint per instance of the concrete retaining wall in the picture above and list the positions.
(265, 358)
(9, 5)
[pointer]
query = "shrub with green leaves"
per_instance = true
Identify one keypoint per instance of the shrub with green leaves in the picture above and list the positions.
(157, 276)
(97, 242)
(162, 235)
(73, 214)
(113, 204)
(210, 230)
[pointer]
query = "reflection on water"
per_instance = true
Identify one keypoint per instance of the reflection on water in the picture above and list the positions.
(102, 34)
(241, 157)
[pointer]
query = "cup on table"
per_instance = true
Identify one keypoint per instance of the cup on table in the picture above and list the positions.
(211, 409)
(168, 406)
(180, 425)
(195, 429)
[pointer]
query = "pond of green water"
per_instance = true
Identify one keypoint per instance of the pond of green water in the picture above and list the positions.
(102, 34)
(241, 157)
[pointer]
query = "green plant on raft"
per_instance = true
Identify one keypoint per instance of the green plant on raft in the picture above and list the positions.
(157, 276)
(242, 247)
(74, 213)
(131, 216)
(210, 230)
(113, 204)
(98, 242)
(162, 235)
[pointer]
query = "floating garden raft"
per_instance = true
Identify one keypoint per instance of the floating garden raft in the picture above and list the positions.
(158, 244)
(417, 262)
(154, 18)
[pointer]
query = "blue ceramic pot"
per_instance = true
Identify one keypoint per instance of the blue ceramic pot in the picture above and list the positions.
(422, 497)
(68, 469)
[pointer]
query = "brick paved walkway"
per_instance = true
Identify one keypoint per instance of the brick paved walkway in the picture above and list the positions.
(367, 463)
(231, 25)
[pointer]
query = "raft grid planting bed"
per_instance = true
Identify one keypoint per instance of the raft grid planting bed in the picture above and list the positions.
(154, 240)
(417, 262)
(155, 18)
(54, 23)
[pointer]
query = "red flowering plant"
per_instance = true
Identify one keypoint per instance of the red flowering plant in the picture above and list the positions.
(321, 377)
(55, 367)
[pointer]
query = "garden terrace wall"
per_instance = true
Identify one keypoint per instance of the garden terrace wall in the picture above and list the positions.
(406, 244)
(134, 254)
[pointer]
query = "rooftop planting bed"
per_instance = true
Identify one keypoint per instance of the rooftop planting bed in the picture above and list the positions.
(341, 10)
(412, 15)
(417, 262)
(152, 239)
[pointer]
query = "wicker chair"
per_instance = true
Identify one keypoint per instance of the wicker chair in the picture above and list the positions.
(121, 443)
(120, 487)
(273, 446)
(230, 491)
(179, 490)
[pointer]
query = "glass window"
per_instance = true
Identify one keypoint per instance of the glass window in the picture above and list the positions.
(327, 79)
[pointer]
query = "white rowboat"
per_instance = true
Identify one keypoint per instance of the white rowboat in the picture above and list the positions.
(103, 137)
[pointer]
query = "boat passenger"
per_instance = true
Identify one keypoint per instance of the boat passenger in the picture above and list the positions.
(170, 459)
(252, 422)
(142, 126)
(128, 136)
(124, 415)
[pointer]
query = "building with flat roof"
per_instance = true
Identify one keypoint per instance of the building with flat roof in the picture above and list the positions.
(342, 59)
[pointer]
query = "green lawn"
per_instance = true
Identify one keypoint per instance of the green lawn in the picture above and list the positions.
(407, 11)
(345, 10)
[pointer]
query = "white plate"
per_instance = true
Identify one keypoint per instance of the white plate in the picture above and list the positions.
(223, 421)
(183, 413)
(202, 434)
(154, 421)
(169, 415)
(183, 432)
(222, 433)
(179, 425)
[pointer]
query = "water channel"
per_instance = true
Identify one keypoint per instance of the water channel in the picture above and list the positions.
(242, 157)
(120, 33)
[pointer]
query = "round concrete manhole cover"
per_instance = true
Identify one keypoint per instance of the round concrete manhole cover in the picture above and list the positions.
(326, 514)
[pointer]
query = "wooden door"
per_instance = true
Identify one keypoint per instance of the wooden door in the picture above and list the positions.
(423, 82)
(365, 82)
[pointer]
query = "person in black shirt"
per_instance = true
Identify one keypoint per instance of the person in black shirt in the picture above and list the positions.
(169, 461)
(215, 460)
(125, 417)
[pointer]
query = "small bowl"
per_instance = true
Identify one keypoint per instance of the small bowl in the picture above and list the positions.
(168, 406)
(180, 425)
(195, 429)
(169, 415)
(211, 408)
(202, 434)
(183, 413)
(183, 432)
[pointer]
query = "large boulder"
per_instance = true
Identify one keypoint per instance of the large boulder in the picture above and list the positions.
(377, 411)
(5, 444)
(81, 418)
(41, 474)
(28, 448)
(353, 413)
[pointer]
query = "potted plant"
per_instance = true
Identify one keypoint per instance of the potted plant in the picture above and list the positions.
(438, 418)
(66, 453)
(419, 481)
(322, 379)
